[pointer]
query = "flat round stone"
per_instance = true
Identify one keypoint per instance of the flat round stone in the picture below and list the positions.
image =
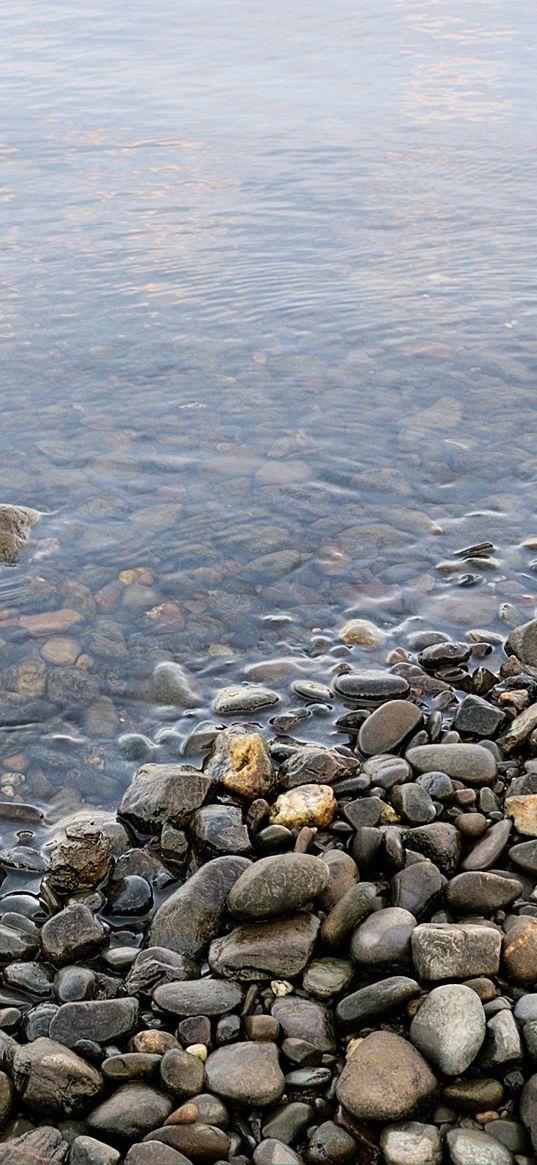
(372, 685)
(199, 997)
(278, 885)
(471, 763)
(388, 726)
(385, 1079)
(246, 1073)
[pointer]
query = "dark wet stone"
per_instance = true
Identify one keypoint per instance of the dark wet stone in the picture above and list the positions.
(288, 1122)
(131, 1112)
(413, 804)
(227, 1029)
(88, 1151)
(211, 1110)
(37, 1022)
(305, 1019)
(327, 977)
(274, 839)
(274, 1152)
(519, 954)
(372, 1003)
(51, 1080)
(385, 1079)
(102, 1020)
(130, 895)
(182, 1074)
(471, 763)
(242, 763)
(74, 933)
(455, 950)
(343, 873)
(313, 764)
(19, 937)
(347, 913)
(74, 983)
(417, 887)
(474, 1095)
(383, 940)
(260, 950)
(439, 655)
(135, 747)
(24, 859)
(194, 914)
(246, 1073)
(364, 811)
(130, 1066)
(277, 885)
(163, 793)
(243, 698)
(43, 1146)
(438, 785)
(81, 860)
(440, 842)
(219, 829)
(386, 729)
(524, 855)
(6, 1099)
(528, 1108)
(200, 997)
(481, 893)
(371, 685)
(173, 844)
(489, 848)
(477, 717)
(197, 1142)
(387, 771)
(30, 977)
(158, 965)
(308, 1079)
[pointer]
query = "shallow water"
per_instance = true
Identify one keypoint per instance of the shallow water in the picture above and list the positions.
(268, 316)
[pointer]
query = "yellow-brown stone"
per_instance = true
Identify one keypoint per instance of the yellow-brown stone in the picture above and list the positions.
(523, 810)
(305, 805)
(519, 954)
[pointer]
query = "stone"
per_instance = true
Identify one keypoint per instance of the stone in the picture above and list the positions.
(440, 842)
(241, 762)
(503, 1044)
(52, 1080)
(172, 684)
(200, 997)
(519, 954)
(88, 1151)
(42, 1146)
(246, 1073)
(219, 829)
(413, 804)
(363, 1007)
(81, 860)
(471, 763)
(288, 1122)
(386, 729)
(449, 1028)
(259, 950)
(193, 915)
(524, 855)
(417, 887)
(489, 848)
(455, 950)
(343, 873)
(130, 1066)
(305, 1019)
(522, 642)
(103, 1020)
(519, 730)
(387, 771)
(411, 1143)
(481, 893)
(471, 1096)
(277, 885)
(477, 717)
(371, 685)
(444, 654)
(182, 1074)
(6, 1098)
(19, 937)
(347, 913)
(154, 1153)
(50, 622)
(362, 632)
(528, 1108)
(327, 977)
(312, 805)
(383, 940)
(523, 810)
(163, 793)
(157, 965)
(243, 698)
(273, 1152)
(385, 1079)
(16, 524)
(74, 933)
(331, 1145)
(195, 1143)
(130, 1112)
(473, 1147)
(131, 895)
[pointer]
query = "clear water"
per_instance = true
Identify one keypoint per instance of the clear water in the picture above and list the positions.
(268, 325)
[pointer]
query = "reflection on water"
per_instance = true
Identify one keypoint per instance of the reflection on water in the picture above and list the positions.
(268, 316)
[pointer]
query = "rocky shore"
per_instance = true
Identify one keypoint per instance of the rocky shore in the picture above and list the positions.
(291, 952)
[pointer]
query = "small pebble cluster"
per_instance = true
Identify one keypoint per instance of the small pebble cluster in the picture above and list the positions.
(293, 953)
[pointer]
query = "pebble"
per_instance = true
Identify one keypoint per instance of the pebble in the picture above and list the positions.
(243, 698)
(74, 933)
(472, 1147)
(489, 848)
(193, 915)
(313, 805)
(372, 685)
(182, 1073)
(54, 1080)
(523, 810)
(242, 763)
(471, 763)
(200, 997)
(261, 949)
(88, 1151)
(305, 1019)
(163, 793)
(417, 887)
(481, 893)
(172, 684)
(384, 939)
(385, 1079)
(246, 1072)
(411, 1143)
(388, 727)
(519, 953)
(375, 1001)
(449, 1028)
(455, 951)
(132, 1111)
(275, 886)
(101, 1020)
